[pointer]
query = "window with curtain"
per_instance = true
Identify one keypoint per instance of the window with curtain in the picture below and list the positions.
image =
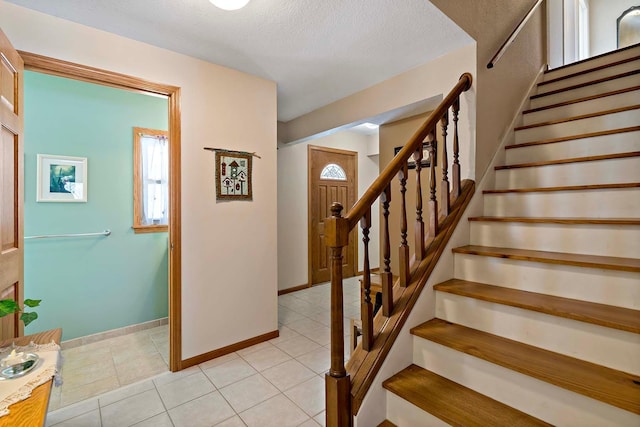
(151, 180)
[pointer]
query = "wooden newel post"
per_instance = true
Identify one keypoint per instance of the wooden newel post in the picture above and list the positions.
(338, 383)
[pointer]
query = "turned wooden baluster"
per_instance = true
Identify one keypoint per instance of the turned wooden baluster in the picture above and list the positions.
(433, 201)
(444, 192)
(387, 276)
(366, 309)
(404, 247)
(419, 227)
(338, 382)
(456, 148)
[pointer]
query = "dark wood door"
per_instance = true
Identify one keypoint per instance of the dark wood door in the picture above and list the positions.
(332, 178)
(11, 189)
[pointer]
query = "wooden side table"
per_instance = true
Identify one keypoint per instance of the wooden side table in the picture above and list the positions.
(32, 411)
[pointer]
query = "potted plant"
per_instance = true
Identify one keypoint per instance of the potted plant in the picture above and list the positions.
(10, 306)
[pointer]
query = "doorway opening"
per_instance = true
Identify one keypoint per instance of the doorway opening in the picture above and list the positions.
(170, 95)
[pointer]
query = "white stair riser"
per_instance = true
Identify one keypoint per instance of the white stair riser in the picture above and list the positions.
(609, 203)
(611, 287)
(592, 63)
(589, 77)
(610, 102)
(537, 398)
(577, 127)
(405, 414)
(592, 239)
(582, 92)
(583, 147)
(609, 171)
(597, 344)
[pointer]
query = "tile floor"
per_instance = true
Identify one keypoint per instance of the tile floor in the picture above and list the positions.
(275, 383)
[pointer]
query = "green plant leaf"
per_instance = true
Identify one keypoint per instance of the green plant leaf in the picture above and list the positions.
(32, 302)
(8, 306)
(28, 318)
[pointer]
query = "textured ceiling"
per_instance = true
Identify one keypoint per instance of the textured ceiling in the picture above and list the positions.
(318, 51)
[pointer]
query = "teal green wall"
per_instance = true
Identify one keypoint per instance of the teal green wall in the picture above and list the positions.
(91, 284)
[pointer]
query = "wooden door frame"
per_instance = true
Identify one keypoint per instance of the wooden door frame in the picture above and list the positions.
(70, 70)
(311, 148)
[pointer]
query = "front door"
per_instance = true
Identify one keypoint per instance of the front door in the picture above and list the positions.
(11, 190)
(332, 178)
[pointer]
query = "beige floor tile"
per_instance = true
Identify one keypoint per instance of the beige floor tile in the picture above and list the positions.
(90, 419)
(140, 368)
(248, 392)
(95, 347)
(288, 374)
(218, 361)
(227, 373)
(275, 412)
(318, 360)
(321, 418)
(80, 376)
(285, 334)
(309, 423)
(309, 396)
(266, 358)
(124, 392)
(185, 389)
(232, 422)
(321, 335)
(132, 410)
(73, 395)
(298, 346)
(169, 376)
(286, 315)
(56, 417)
(161, 420)
(253, 348)
(203, 411)
(124, 353)
(305, 326)
(79, 360)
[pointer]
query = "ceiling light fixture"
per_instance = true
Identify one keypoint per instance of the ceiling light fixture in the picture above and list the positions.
(230, 4)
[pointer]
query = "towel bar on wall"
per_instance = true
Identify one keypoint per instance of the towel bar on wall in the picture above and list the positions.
(49, 236)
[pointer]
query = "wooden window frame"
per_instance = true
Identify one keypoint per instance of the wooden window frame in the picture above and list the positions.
(138, 192)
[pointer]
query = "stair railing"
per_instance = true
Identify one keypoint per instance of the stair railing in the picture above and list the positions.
(338, 227)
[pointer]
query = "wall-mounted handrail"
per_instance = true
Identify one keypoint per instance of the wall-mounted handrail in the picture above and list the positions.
(513, 35)
(55, 236)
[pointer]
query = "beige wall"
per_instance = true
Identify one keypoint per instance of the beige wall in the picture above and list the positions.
(229, 267)
(430, 81)
(293, 202)
(499, 90)
(602, 23)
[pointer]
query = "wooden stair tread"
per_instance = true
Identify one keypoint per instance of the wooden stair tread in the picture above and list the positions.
(540, 220)
(453, 403)
(579, 260)
(616, 388)
(589, 70)
(580, 117)
(624, 319)
(585, 84)
(571, 160)
(574, 137)
(387, 423)
(565, 188)
(584, 99)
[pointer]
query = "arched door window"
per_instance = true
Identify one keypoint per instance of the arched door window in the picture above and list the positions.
(629, 27)
(333, 171)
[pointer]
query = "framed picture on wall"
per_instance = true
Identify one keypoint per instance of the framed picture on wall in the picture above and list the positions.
(61, 178)
(411, 163)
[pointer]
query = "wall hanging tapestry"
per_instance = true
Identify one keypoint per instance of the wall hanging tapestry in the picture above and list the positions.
(233, 174)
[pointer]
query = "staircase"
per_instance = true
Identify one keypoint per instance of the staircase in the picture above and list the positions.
(541, 324)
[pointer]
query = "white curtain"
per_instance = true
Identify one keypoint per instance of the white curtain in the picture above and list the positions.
(155, 180)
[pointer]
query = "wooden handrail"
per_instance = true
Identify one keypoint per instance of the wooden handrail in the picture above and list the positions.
(392, 169)
(513, 35)
(338, 227)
